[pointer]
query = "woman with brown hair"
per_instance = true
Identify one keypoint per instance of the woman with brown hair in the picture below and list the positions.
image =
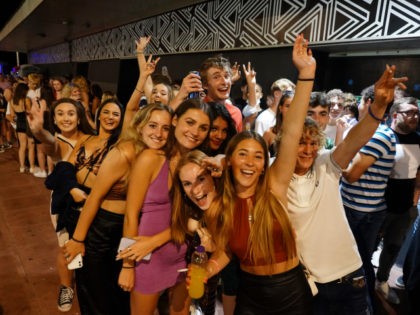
(250, 217)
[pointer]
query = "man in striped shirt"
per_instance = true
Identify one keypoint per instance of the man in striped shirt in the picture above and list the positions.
(363, 189)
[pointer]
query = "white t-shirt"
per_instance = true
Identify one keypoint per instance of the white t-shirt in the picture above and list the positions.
(265, 121)
(325, 242)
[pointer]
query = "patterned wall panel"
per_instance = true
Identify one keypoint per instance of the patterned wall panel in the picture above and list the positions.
(55, 54)
(238, 24)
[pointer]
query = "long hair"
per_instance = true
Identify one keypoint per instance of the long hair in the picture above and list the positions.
(219, 110)
(20, 93)
(142, 117)
(84, 125)
(179, 112)
(117, 131)
(182, 207)
(267, 209)
(279, 116)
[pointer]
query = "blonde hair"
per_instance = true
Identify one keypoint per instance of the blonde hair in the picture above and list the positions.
(283, 84)
(267, 209)
(68, 88)
(142, 117)
(81, 82)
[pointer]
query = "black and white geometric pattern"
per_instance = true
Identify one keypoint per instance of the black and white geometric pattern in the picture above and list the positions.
(237, 24)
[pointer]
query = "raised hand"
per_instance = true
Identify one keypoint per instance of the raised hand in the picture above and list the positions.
(303, 59)
(250, 74)
(385, 86)
(142, 43)
(150, 66)
(35, 118)
(236, 73)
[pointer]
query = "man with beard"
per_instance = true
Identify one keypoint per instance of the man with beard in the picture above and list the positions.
(399, 194)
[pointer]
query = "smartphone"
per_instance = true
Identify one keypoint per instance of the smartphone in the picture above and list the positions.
(126, 241)
(76, 263)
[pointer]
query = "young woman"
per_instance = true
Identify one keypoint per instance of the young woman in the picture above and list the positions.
(271, 134)
(192, 194)
(74, 179)
(99, 228)
(251, 218)
(148, 195)
(70, 126)
(21, 105)
(222, 129)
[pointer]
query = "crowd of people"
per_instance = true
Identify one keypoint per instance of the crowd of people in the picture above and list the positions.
(290, 195)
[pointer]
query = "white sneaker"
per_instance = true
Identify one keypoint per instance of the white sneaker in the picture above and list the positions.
(40, 174)
(388, 293)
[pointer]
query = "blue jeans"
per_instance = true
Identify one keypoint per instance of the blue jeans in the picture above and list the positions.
(348, 297)
(365, 227)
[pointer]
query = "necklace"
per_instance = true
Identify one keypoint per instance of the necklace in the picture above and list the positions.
(250, 208)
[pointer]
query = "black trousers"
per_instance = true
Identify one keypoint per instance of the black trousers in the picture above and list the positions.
(284, 293)
(97, 281)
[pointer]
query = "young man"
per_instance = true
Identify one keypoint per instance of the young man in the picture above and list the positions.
(335, 100)
(363, 190)
(404, 179)
(325, 242)
(319, 110)
(216, 78)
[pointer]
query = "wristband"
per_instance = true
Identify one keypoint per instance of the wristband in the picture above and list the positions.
(373, 115)
(306, 79)
(76, 240)
(139, 53)
(128, 267)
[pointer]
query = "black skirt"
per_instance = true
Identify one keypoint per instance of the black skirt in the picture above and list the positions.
(284, 293)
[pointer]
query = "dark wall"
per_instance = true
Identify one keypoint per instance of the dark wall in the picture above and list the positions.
(353, 74)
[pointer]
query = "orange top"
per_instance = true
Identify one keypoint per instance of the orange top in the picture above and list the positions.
(238, 242)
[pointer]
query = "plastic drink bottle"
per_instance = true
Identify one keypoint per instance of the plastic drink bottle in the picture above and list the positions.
(194, 94)
(198, 272)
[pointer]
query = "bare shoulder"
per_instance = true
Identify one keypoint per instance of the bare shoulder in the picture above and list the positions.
(151, 156)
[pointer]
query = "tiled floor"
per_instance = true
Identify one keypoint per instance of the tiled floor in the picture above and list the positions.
(28, 247)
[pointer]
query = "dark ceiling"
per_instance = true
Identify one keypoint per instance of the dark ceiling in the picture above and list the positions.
(44, 23)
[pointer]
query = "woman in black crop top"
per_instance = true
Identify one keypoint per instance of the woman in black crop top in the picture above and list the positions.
(70, 126)
(249, 214)
(20, 106)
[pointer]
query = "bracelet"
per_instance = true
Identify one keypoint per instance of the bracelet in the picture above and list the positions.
(373, 115)
(136, 89)
(306, 79)
(128, 267)
(76, 240)
(217, 265)
(139, 53)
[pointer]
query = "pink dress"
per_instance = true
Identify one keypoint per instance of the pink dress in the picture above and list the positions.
(160, 272)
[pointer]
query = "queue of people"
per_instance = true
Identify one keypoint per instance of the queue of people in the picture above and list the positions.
(280, 198)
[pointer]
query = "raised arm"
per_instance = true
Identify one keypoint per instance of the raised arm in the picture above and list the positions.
(283, 167)
(190, 83)
(35, 122)
(360, 134)
(146, 68)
